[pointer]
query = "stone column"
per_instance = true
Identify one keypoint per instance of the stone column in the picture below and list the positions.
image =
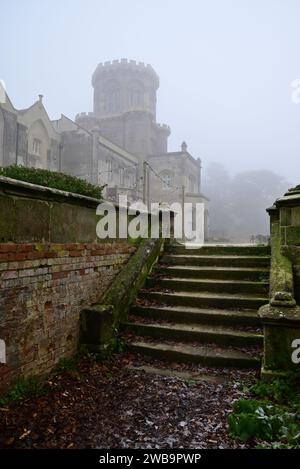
(281, 316)
(199, 174)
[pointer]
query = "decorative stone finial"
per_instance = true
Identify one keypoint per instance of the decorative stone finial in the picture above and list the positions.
(41, 98)
(184, 147)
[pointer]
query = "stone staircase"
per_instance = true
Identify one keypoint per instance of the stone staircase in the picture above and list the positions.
(200, 306)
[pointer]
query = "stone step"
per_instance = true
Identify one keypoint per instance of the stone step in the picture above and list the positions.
(224, 261)
(209, 285)
(218, 249)
(228, 273)
(206, 356)
(197, 315)
(185, 375)
(219, 335)
(205, 299)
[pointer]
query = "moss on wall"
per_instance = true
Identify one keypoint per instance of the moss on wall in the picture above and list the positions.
(100, 323)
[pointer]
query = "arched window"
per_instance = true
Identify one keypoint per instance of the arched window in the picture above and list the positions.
(136, 94)
(112, 96)
(167, 179)
(136, 98)
(121, 176)
(109, 169)
(39, 143)
(113, 101)
(192, 183)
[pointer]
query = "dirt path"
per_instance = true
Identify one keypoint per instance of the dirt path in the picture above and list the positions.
(111, 406)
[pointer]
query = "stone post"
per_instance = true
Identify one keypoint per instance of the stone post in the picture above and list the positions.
(281, 316)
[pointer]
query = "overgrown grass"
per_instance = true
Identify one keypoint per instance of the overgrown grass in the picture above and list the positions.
(272, 416)
(65, 364)
(33, 387)
(24, 388)
(52, 179)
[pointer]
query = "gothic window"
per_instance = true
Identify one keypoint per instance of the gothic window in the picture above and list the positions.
(130, 179)
(36, 147)
(136, 94)
(109, 167)
(192, 183)
(113, 101)
(121, 176)
(167, 180)
(135, 98)
(20, 161)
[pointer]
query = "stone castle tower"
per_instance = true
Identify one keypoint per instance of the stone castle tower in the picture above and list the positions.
(125, 107)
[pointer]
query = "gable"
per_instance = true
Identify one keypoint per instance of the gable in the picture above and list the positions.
(37, 113)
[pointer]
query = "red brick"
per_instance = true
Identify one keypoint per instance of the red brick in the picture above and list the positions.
(75, 254)
(36, 255)
(4, 257)
(4, 370)
(57, 275)
(99, 252)
(92, 246)
(8, 247)
(50, 254)
(74, 246)
(18, 256)
(25, 247)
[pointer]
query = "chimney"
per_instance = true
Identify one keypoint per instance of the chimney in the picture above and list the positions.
(184, 147)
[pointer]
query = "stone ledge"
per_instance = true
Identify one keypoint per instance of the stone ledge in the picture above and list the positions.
(15, 187)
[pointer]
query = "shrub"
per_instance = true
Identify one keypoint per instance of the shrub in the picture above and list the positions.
(52, 179)
(263, 420)
(282, 391)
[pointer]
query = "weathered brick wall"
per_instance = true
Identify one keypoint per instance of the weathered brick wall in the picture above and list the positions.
(43, 288)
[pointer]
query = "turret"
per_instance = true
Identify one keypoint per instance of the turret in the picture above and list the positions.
(122, 86)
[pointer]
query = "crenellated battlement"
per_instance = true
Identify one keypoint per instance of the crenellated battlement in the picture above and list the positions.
(163, 127)
(125, 64)
(82, 115)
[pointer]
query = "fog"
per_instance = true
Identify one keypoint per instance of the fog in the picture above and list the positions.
(225, 67)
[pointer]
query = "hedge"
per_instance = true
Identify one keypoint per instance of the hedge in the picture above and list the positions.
(52, 179)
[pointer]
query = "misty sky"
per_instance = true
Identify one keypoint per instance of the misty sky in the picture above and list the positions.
(225, 68)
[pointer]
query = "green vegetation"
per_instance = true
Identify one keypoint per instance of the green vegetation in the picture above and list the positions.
(23, 388)
(120, 345)
(52, 179)
(273, 416)
(65, 364)
(32, 386)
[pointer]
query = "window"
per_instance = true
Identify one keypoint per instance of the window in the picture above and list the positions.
(135, 94)
(36, 147)
(135, 98)
(130, 179)
(20, 161)
(192, 183)
(113, 101)
(121, 176)
(109, 170)
(167, 180)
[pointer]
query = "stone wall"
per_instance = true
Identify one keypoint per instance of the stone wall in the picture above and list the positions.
(44, 283)
(13, 140)
(43, 288)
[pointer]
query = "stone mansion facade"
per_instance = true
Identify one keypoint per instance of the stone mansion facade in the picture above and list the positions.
(109, 145)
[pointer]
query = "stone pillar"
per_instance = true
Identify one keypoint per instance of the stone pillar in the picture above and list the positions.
(199, 174)
(281, 316)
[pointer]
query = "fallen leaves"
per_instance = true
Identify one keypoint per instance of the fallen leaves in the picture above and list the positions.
(109, 406)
